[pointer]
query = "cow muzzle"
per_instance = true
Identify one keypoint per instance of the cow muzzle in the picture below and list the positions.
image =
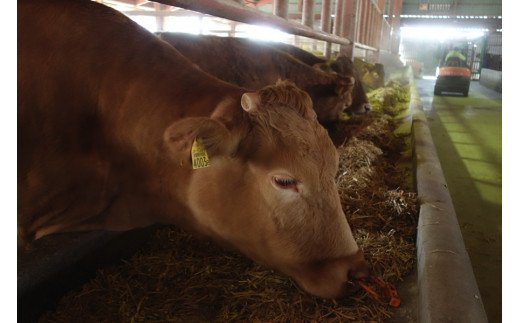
(359, 267)
(331, 278)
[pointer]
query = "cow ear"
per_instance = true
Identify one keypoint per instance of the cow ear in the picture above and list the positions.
(342, 65)
(250, 101)
(208, 135)
(345, 84)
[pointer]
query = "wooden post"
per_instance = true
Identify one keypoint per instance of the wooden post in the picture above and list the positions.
(308, 13)
(363, 30)
(381, 6)
(345, 19)
(159, 19)
(350, 24)
(384, 35)
(281, 8)
(360, 20)
(338, 18)
(376, 27)
(396, 19)
(232, 29)
(377, 33)
(325, 24)
(370, 25)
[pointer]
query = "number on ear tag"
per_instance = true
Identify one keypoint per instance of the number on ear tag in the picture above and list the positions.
(199, 155)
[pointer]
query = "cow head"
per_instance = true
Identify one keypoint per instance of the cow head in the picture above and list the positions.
(344, 67)
(270, 190)
(342, 70)
(331, 99)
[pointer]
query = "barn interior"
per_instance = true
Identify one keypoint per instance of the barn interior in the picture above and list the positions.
(454, 152)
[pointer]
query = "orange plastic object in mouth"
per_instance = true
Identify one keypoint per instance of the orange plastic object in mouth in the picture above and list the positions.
(379, 290)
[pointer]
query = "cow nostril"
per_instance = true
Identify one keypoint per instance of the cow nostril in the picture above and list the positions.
(350, 288)
(359, 267)
(368, 108)
(354, 275)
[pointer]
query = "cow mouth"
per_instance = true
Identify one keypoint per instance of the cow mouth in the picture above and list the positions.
(350, 288)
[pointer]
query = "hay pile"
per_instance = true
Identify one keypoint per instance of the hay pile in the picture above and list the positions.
(375, 127)
(381, 209)
(180, 278)
(372, 75)
(391, 99)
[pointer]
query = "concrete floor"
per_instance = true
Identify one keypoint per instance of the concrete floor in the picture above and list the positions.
(467, 133)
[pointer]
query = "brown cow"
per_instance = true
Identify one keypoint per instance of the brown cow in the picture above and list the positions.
(107, 116)
(253, 65)
(341, 65)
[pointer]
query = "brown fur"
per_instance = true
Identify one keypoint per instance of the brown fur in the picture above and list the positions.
(254, 65)
(342, 65)
(107, 114)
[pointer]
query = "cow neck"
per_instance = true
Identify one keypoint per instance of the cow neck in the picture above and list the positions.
(165, 89)
(302, 75)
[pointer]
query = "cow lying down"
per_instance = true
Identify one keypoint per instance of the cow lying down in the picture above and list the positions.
(254, 65)
(117, 130)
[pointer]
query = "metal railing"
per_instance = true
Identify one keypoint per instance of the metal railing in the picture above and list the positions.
(240, 13)
(356, 24)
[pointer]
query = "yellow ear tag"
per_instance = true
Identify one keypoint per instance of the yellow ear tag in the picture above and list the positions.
(199, 155)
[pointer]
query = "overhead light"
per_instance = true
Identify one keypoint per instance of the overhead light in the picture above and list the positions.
(441, 33)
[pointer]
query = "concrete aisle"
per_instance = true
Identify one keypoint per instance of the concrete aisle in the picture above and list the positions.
(467, 133)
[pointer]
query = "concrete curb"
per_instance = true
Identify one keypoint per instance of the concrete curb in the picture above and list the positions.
(448, 291)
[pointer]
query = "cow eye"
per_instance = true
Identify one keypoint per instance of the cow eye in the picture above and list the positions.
(286, 183)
